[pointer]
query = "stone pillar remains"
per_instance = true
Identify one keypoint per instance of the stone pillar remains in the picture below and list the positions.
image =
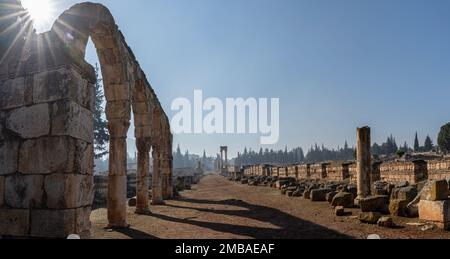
(117, 179)
(157, 198)
(143, 147)
(363, 160)
(46, 123)
(167, 189)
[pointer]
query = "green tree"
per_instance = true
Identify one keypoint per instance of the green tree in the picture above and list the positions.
(428, 144)
(444, 138)
(101, 134)
(416, 143)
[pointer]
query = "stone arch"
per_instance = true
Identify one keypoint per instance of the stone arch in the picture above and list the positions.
(51, 118)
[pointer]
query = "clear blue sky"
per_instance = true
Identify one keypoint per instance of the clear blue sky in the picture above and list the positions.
(335, 65)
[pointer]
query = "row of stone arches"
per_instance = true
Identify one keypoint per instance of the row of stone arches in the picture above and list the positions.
(127, 90)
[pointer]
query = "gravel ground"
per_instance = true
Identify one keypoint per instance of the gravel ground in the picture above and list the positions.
(219, 209)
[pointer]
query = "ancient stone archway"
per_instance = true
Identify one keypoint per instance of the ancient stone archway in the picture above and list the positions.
(46, 134)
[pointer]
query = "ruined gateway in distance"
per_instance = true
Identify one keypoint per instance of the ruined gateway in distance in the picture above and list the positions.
(46, 123)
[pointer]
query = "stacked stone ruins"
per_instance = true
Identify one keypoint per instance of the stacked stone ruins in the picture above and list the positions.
(46, 123)
(404, 188)
(223, 162)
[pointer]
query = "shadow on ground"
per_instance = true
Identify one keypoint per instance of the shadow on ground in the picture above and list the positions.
(134, 233)
(287, 226)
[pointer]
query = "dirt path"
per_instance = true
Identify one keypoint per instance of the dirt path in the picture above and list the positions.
(219, 209)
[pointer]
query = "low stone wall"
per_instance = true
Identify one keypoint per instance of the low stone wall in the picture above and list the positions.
(352, 173)
(438, 169)
(304, 172)
(337, 172)
(283, 172)
(393, 172)
(318, 171)
(292, 171)
(411, 171)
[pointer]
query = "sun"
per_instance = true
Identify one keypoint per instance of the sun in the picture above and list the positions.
(41, 12)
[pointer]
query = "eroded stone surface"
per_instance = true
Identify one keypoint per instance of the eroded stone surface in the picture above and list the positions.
(53, 223)
(2, 190)
(12, 93)
(24, 191)
(60, 84)
(14, 222)
(9, 154)
(69, 190)
(46, 156)
(435, 191)
(70, 119)
(30, 122)
(437, 212)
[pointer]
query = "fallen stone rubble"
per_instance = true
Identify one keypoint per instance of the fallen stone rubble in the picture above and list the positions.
(428, 201)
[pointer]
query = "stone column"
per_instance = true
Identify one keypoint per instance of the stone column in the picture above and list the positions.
(117, 180)
(226, 158)
(167, 191)
(363, 162)
(221, 161)
(143, 146)
(157, 198)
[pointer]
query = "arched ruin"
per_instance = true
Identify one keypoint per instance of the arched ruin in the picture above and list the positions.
(46, 123)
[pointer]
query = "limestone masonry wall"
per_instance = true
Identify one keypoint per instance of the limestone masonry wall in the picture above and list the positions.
(337, 171)
(394, 172)
(413, 172)
(438, 169)
(304, 171)
(318, 171)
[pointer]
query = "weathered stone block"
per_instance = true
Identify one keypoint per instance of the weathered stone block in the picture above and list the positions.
(68, 191)
(386, 222)
(2, 190)
(53, 223)
(369, 217)
(12, 93)
(437, 212)
(14, 222)
(398, 208)
(343, 199)
(408, 193)
(435, 191)
(30, 122)
(83, 222)
(9, 155)
(375, 204)
(319, 194)
(70, 119)
(118, 110)
(47, 155)
(339, 211)
(24, 191)
(84, 157)
(329, 197)
(307, 194)
(2, 127)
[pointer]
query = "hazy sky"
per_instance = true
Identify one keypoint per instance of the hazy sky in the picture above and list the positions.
(335, 65)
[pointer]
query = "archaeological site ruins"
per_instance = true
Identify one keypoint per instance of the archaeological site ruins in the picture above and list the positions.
(46, 124)
(49, 187)
(402, 188)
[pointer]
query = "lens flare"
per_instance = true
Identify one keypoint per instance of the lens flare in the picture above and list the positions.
(40, 12)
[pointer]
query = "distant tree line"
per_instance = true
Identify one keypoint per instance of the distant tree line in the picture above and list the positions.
(188, 160)
(320, 153)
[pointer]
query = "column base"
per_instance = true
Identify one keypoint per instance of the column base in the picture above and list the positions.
(156, 203)
(358, 199)
(121, 226)
(142, 212)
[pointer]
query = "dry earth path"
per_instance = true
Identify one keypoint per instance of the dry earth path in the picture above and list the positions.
(219, 209)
